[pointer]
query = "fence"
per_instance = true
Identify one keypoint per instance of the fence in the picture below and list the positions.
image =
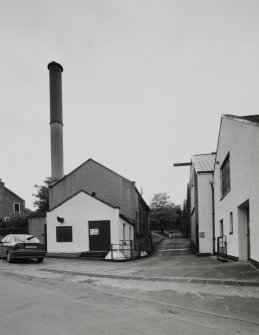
(122, 250)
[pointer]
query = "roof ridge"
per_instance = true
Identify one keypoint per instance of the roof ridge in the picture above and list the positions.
(252, 119)
(90, 195)
(90, 159)
(209, 154)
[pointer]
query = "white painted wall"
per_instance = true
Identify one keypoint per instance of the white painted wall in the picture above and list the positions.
(77, 211)
(205, 212)
(128, 235)
(241, 139)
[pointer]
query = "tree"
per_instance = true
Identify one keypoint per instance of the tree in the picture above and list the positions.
(42, 196)
(162, 208)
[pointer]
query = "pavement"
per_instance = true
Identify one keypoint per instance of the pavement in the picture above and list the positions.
(172, 290)
(172, 261)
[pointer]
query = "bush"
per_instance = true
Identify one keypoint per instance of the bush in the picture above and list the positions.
(6, 231)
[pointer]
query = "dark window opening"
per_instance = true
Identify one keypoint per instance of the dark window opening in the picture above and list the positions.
(17, 207)
(64, 234)
(225, 176)
(231, 223)
(221, 228)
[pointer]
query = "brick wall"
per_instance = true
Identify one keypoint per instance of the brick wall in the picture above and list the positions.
(36, 228)
(144, 219)
(93, 177)
(7, 200)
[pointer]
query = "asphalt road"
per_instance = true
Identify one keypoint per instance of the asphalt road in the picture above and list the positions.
(69, 304)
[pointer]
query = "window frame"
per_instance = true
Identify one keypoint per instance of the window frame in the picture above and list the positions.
(124, 231)
(64, 238)
(221, 228)
(231, 230)
(225, 184)
(19, 204)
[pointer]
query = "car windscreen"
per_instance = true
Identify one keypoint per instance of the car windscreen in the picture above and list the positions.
(26, 239)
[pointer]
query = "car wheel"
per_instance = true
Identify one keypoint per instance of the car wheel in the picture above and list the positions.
(8, 257)
(40, 260)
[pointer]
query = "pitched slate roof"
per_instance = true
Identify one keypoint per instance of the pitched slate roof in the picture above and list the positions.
(87, 161)
(204, 162)
(83, 191)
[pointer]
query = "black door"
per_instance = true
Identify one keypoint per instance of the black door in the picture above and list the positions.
(99, 235)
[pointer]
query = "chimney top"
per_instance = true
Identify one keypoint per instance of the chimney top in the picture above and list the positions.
(55, 65)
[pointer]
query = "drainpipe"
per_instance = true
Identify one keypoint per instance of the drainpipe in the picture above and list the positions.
(213, 217)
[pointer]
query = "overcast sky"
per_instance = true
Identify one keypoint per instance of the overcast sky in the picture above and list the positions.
(144, 85)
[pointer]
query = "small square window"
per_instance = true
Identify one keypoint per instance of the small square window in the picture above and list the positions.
(64, 234)
(230, 223)
(17, 207)
(7, 219)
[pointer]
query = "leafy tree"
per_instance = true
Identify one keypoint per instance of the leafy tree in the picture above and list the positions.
(42, 196)
(162, 208)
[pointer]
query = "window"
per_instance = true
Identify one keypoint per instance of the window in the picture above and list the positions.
(225, 176)
(221, 228)
(7, 239)
(230, 223)
(64, 234)
(124, 231)
(7, 219)
(17, 207)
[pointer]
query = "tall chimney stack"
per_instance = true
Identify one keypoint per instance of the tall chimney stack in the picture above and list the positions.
(56, 121)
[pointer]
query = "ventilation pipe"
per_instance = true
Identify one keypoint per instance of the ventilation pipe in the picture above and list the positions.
(56, 121)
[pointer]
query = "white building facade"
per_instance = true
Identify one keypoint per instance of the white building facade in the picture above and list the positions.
(236, 185)
(201, 203)
(84, 223)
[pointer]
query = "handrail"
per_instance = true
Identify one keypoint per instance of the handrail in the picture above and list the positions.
(125, 247)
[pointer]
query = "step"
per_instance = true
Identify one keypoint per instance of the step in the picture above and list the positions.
(94, 254)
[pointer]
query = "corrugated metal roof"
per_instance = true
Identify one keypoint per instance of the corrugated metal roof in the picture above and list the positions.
(252, 118)
(204, 162)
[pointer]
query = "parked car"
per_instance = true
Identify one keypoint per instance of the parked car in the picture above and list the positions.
(22, 246)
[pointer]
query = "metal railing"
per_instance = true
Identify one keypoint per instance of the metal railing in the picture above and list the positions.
(122, 250)
(221, 246)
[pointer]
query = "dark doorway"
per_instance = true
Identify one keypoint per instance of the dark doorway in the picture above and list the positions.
(99, 235)
(244, 231)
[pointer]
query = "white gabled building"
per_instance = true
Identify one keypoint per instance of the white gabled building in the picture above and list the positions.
(84, 222)
(226, 221)
(201, 202)
(91, 209)
(236, 184)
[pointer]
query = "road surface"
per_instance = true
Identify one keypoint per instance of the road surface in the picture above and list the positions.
(33, 301)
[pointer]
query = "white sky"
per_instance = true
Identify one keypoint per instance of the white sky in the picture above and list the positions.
(144, 84)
